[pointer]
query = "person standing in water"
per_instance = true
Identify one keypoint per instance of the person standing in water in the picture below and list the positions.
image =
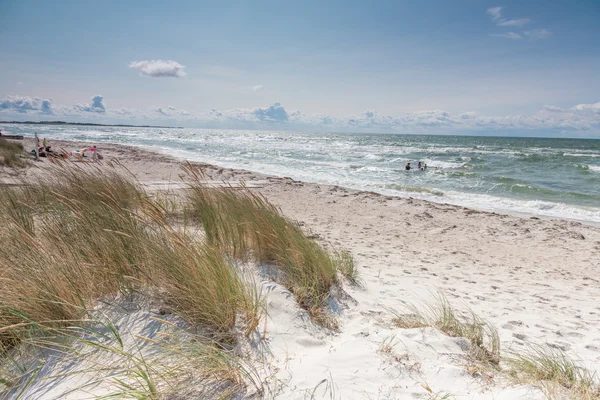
(407, 166)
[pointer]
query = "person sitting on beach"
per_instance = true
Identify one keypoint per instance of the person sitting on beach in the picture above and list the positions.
(407, 166)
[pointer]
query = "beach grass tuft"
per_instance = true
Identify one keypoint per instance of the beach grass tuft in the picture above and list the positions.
(440, 314)
(10, 154)
(246, 226)
(347, 266)
(553, 371)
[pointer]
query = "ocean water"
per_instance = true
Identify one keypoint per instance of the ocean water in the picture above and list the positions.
(544, 177)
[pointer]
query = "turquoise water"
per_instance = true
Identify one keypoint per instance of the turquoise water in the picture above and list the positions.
(546, 177)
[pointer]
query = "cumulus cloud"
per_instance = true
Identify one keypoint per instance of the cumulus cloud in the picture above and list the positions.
(257, 87)
(160, 111)
(159, 68)
(24, 105)
(468, 115)
(46, 107)
(588, 107)
(96, 106)
(274, 112)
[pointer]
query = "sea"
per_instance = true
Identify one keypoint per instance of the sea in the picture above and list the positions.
(555, 178)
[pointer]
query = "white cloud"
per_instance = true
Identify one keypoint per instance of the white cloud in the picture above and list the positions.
(159, 68)
(508, 35)
(538, 33)
(588, 107)
(258, 87)
(469, 115)
(513, 22)
(162, 112)
(96, 106)
(553, 109)
(26, 105)
(274, 112)
(495, 13)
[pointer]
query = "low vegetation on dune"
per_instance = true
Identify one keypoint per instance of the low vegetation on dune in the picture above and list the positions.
(440, 314)
(10, 154)
(88, 235)
(551, 370)
(246, 226)
(554, 372)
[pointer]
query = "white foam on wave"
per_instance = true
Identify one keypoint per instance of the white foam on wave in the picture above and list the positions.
(486, 202)
(593, 155)
(431, 163)
(595, 168)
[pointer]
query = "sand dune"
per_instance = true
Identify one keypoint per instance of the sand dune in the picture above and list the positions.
(536, 280)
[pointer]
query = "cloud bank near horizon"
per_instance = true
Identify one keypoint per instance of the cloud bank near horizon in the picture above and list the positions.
(579, 120)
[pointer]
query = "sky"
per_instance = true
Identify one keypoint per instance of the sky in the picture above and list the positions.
(430, 66)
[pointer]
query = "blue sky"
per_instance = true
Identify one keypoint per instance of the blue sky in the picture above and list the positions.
(423, 66)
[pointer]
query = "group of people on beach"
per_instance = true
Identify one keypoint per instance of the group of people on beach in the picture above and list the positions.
(44, 150)
(421, 166)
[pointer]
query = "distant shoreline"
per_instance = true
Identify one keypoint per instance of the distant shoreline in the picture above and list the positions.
(63, 123)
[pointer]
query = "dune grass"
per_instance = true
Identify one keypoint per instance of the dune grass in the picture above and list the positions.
(10, 154)
(247, 227)
(347, 267)
(440, 314)
(553, 372)
(84, 233)
(109, 361)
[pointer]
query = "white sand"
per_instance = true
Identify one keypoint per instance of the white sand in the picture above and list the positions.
(537, 281)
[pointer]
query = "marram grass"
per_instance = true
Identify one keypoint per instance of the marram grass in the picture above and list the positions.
(84, 233)
(247, 226)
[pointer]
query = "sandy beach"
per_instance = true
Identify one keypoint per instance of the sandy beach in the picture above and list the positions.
(537, 281)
